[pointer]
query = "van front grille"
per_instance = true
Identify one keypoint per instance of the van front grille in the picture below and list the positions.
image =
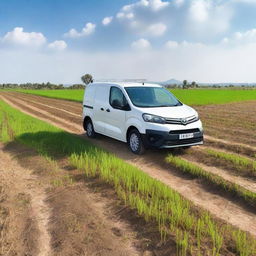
(181, 121)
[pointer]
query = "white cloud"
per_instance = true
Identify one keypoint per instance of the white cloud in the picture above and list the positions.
(123, 15)
(120, 15)
(107, 20)
(196, 63)
(144, 18)
(199, 10)
(179, 3)
(141, 44)
(197, 19)
(248, 36)
(157, 5)
(58, 45)
(171, 44)
(184, 44)
(241, 38)
(157, 29)
(209, 17)
(154, 5)
(88, 29)
(18, 37)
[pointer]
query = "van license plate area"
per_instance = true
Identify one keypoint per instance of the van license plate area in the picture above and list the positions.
(186, 136)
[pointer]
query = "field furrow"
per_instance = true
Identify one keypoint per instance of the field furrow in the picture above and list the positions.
(153, 163)
(43, 115)
(238, 163)
(232, 121)
(247, 184)
(74, 107)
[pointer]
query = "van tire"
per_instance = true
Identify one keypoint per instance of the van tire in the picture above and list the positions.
(135, 142)
(89, 129)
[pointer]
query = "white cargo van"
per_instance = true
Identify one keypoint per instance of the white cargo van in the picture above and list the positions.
(143, 115)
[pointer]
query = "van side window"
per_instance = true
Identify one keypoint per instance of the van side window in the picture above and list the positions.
(117, 99)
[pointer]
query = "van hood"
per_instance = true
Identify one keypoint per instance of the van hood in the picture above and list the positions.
(171, 112)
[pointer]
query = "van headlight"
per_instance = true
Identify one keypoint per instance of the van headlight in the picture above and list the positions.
(196, 116)
(153, 119)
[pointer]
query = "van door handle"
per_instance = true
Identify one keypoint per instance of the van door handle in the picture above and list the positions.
(108, 110)
(102, 109)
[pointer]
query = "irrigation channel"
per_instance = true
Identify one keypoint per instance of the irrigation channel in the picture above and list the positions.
(198, 188)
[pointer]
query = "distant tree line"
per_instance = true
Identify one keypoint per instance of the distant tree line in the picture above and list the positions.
(40, 86)
(86, 79)
(187, 85)
(184, 85)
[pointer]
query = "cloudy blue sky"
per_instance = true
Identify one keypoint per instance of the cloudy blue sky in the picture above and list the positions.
(59, 40)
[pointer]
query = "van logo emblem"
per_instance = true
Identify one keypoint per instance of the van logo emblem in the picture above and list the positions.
(184, 121)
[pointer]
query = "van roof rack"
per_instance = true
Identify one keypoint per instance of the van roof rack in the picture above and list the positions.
(122, 80)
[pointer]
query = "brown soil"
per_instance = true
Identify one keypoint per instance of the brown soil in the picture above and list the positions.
(48, 208)
(196, 158)
(23, 213)
(239, 148)
(233, 121)
(153, 163)
(201, 155)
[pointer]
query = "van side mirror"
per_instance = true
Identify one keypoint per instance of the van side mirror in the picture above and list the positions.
(117, 104)
(126, 107)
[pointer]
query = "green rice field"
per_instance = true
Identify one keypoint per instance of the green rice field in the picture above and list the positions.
(188, 96)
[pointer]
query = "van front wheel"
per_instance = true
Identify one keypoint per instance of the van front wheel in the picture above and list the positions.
(89, 129)
(135, 142)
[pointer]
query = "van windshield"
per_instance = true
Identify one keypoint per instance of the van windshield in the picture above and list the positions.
(151, 97)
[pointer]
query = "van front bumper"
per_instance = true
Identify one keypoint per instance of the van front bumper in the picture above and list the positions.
(162, 139)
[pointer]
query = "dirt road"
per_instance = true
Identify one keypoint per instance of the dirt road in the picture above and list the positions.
(48, 209)
(66, 115)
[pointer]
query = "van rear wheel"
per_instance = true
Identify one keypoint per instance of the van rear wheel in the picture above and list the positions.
(135, 142)
(89, 129)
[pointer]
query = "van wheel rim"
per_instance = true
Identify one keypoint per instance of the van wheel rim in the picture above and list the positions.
(89, 129)
(134, 142)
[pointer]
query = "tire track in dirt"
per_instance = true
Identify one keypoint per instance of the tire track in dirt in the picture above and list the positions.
(153, 164)
(245, 135)
(72, 106)
(226, 134)
(43, 115)
(226, 175)
(206, 147)
(54, 111)
(63, 110)
(229, 143)
(21, 181)
(89, 225)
